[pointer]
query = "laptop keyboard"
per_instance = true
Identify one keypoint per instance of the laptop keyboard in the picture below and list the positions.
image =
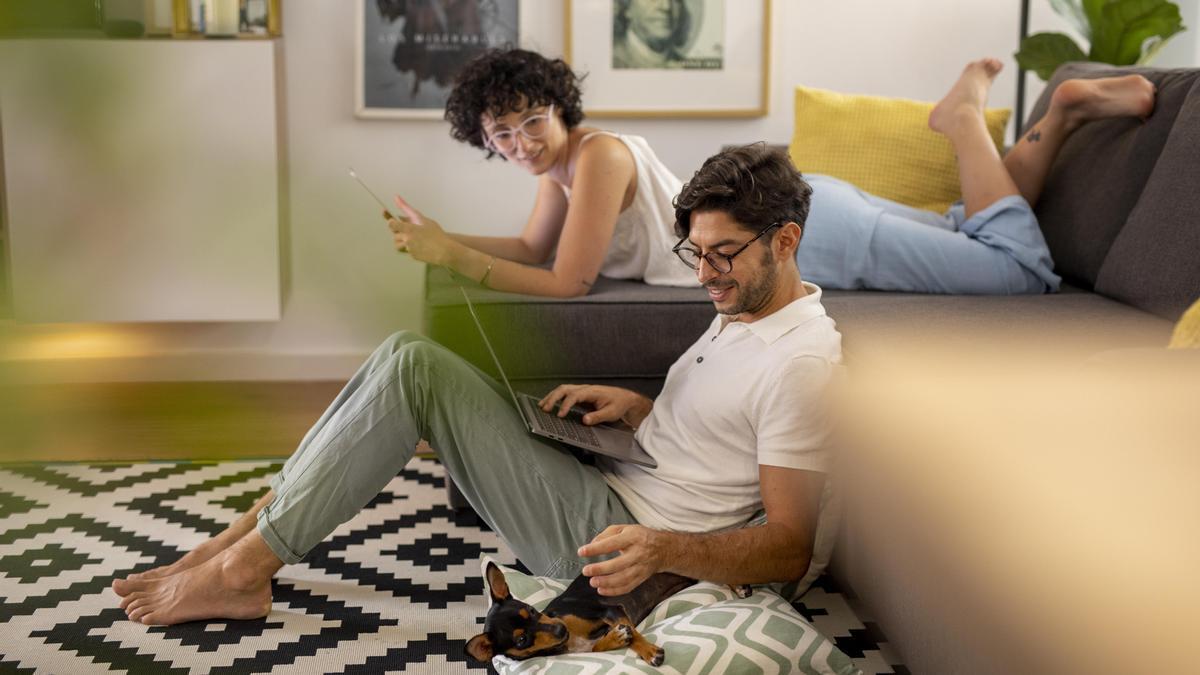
(571, 429)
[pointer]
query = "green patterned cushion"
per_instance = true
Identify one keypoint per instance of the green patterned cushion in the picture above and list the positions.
(704, 629)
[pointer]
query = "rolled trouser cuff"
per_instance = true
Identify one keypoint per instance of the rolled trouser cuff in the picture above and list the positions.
(275, 542)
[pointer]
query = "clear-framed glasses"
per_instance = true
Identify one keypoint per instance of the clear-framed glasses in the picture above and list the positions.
(532, 128)
(720, 262)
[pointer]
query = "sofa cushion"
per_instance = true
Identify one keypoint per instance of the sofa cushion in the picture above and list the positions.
(1154, 263)
(1073, 324)
(882, 145)
(622, 329)
(1102, 170)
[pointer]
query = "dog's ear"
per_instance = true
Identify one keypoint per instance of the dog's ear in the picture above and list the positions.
(496, 583)
(480, 648)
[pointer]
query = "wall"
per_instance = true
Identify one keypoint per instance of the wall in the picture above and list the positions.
(349, 289)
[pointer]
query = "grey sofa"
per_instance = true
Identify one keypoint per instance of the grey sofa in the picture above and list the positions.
(1121, 214)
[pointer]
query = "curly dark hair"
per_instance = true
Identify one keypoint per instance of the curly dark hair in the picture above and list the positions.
(500, 81)
(755, 184)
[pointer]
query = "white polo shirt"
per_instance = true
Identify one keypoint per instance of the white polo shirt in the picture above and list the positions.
(744, 394)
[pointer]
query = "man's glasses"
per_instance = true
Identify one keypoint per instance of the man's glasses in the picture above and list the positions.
(720, 262)
(532, 128)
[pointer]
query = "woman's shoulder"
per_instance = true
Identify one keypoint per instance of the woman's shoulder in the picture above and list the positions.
(597, 146)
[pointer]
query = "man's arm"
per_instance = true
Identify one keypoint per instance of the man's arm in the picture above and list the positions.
(780, 550)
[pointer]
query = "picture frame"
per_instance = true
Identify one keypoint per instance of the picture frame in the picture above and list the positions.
(405, 64)
(705, 58)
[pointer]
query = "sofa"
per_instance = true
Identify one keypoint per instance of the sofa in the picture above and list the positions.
(1121, 215)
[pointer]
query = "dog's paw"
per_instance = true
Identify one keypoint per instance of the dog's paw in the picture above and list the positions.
(659, 656)
(624, 634)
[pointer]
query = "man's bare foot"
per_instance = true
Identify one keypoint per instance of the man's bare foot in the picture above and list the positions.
(965, 100)
(1080, 101)
(202, 553)
(197, 556)
(226, 586)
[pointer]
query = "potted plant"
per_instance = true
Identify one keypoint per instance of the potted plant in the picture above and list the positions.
(1120, 32)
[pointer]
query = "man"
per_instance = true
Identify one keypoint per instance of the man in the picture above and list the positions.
(736, 430)
(649, 33)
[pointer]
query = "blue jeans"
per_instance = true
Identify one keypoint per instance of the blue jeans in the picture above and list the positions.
(854, 240)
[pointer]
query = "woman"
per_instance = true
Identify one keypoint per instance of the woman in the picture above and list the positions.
(603, 201)
(990, 242)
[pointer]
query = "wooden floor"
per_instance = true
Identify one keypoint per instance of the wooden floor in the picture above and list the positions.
(147, 421)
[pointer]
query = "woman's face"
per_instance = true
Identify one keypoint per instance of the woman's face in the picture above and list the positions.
(532, 138)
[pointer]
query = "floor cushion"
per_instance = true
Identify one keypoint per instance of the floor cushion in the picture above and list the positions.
(703, 629)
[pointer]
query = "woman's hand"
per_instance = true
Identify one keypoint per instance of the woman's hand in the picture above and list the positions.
(419, 235)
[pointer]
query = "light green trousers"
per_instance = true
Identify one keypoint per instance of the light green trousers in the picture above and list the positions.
(536, 495)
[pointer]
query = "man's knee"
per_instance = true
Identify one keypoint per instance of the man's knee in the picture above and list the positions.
(399, 339)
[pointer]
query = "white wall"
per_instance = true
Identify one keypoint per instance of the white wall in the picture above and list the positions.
(349, 289)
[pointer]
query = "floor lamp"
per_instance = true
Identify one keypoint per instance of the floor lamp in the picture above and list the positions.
(1020, 112)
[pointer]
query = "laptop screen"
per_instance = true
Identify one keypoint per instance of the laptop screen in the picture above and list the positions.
(495, 359)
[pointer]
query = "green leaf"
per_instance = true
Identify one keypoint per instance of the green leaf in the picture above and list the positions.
(1093, 11)
(1072, 10)
(1127, 26)
(1044, 52)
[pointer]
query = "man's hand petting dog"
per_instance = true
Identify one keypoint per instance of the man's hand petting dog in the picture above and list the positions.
(610, 404)
(640, 556)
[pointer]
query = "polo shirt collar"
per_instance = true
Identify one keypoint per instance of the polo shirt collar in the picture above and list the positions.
(774, 326)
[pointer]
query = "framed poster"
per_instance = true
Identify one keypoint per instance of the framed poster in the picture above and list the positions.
(671, 58)
(408, 52)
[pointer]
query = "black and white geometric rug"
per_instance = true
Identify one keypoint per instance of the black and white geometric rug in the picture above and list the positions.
(396, 589)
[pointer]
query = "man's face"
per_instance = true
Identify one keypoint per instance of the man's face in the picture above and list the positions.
(653, 20)
(748, 287)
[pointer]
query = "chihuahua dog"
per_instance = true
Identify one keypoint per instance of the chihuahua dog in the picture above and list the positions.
(579, 620)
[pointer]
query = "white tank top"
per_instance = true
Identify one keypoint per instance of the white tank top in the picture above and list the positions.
(645, 231)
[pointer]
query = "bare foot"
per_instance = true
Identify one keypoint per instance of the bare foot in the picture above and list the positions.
(221, 588)
(965, 100)
(1080, 101)
(197, 556)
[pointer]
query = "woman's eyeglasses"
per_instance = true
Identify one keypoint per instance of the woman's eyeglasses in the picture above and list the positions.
(721, 263)
(532, 128)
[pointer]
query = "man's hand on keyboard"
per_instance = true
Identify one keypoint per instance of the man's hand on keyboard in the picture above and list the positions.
(610, 404)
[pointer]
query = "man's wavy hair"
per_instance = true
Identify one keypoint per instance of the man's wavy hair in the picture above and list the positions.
(500, 81)
(679, 35)
(756, 185)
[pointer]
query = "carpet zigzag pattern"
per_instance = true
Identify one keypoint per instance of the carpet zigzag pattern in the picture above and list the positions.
(396, 589)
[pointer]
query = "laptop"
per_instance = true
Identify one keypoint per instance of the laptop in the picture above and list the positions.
(601, 439)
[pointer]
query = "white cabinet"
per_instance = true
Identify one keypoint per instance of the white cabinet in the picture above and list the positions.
(142, 179)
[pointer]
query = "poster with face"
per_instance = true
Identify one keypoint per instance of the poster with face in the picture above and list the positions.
(665, 34)
(411, 50)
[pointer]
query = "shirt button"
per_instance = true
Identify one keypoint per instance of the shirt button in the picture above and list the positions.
(699, 359)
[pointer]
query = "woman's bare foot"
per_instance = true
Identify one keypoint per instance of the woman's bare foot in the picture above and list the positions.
(966, 99)
(1080, 101)
(234, 584)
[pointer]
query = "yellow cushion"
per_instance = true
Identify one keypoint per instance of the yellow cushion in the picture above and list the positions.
(882, 145)
(1187, 331)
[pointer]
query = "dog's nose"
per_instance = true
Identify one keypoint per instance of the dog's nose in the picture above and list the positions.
(560, 631)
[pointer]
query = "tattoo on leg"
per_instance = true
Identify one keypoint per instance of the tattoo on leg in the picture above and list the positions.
(1034, 136)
